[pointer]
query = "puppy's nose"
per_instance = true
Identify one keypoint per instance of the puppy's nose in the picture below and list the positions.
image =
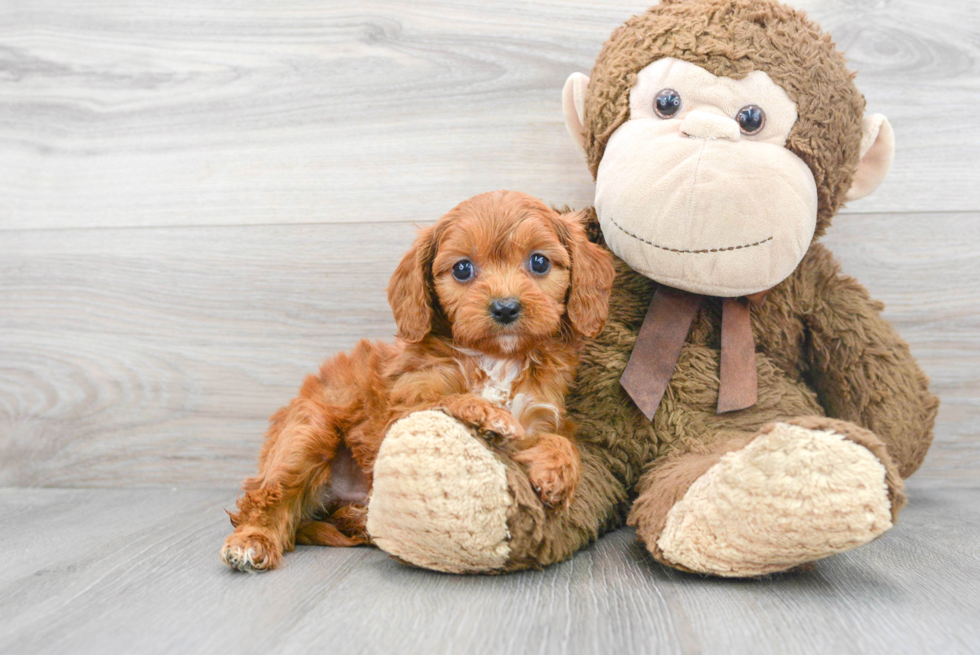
(505, 310)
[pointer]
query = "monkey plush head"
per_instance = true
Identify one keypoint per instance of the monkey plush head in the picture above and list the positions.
(723, 135)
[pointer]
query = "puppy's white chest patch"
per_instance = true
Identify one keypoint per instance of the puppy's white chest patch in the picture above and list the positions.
(498, 387)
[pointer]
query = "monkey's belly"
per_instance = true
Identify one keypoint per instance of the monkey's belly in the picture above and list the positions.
(608, 421)
(688, 411)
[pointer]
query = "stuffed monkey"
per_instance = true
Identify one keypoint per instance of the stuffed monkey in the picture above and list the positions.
(746, 407)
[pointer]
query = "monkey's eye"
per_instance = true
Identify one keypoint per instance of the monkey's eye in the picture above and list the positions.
(667, 103)
(751, 118)
(539, 263)
(463, 270)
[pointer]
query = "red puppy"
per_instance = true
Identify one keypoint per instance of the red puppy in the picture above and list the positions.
(492, 303)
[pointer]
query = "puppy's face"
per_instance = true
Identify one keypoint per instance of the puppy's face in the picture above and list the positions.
(506, 271)
(501, 275)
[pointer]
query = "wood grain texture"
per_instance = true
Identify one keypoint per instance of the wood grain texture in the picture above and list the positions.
(154, 356)
(199, 201)
(137, 571)
(151, 113)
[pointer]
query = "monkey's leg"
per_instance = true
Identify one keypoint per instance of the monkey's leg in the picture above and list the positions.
(752, 504)
(443, 500)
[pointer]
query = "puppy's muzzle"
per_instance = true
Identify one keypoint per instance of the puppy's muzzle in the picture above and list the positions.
(505, 310)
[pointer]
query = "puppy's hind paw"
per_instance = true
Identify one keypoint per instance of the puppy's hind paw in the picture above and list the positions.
(252, 553)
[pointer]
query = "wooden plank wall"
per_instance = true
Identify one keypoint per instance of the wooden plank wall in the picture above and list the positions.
(199, 201)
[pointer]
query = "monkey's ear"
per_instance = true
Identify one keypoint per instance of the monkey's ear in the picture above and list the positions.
(573, 106)
(409, 290)
(877, 153)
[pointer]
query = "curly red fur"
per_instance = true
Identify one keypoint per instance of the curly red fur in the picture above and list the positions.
(506, 380)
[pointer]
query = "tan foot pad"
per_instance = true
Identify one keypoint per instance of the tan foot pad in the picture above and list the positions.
(793, 495)
(440, 498)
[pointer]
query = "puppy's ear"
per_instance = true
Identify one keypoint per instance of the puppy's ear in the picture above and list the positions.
(592, 277)
(410, 290)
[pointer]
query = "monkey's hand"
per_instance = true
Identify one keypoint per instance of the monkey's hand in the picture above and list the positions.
(861, 368)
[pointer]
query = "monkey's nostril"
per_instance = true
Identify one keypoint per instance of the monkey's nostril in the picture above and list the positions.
(505, 310)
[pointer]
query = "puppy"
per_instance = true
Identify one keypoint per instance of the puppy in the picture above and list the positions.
(492, 304)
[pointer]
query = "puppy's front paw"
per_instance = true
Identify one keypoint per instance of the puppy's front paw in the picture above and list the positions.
(250, 552)
(485, 417)
(555, 486)
(554, 469)
(502, 424)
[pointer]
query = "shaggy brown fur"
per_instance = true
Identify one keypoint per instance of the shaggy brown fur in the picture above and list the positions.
(826, 359)
(316, 466)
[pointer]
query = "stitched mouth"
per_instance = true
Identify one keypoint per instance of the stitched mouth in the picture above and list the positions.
(691, 252)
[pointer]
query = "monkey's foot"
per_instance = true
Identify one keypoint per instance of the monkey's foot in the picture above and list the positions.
(793, 495)
(440, 498)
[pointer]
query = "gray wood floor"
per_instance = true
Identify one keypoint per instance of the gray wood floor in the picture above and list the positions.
(136, 571)
(201, 200)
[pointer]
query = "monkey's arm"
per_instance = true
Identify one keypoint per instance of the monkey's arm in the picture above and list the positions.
(861, 368)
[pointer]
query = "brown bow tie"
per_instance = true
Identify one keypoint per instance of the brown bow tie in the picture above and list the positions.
(662, 336)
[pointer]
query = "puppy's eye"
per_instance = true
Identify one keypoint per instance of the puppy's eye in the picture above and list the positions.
(667, 103)
(539, 263)
(751, 118)
(463, 270)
